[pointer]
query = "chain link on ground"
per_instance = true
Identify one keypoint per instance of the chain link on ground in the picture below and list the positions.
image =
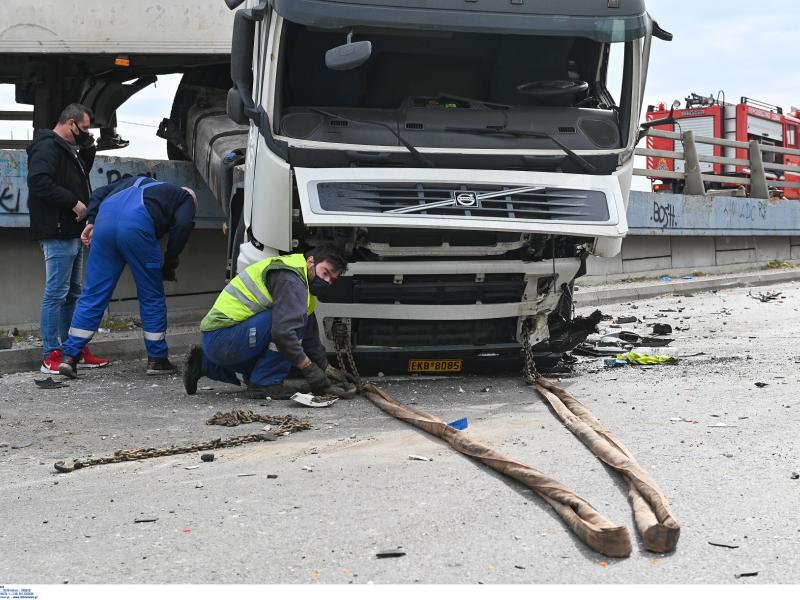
(286, 424)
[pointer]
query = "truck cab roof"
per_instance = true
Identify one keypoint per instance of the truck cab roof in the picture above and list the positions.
(600, 20)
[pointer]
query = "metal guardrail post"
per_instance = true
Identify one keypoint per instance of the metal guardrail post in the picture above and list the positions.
(694, 185)
(758, 177)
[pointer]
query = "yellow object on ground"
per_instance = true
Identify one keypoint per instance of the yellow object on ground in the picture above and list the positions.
(646, 359)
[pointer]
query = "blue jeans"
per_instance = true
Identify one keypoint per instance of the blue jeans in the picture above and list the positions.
(246, 348)
(63, 260)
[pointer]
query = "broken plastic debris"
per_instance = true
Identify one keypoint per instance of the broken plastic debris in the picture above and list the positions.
(192, 467)
(418, 457)
(49, 384)
(22, 444)
(683, 420)
(390, 553)
(307, 468)
(311, 401)
(722, 545)
(459, 424)
(761, 384)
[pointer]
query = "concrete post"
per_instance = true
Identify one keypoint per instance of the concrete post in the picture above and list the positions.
(758, 178)
(694, 185)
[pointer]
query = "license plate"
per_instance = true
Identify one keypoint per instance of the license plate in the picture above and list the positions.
(435, 365)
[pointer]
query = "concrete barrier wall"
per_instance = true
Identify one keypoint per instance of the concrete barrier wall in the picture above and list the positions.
(200, 277)
(672, 234)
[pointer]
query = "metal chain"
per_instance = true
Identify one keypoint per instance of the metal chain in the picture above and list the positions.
(529, 363)
(287, 424)
(344, 349)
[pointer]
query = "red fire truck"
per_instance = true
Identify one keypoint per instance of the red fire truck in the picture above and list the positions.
(748, 120)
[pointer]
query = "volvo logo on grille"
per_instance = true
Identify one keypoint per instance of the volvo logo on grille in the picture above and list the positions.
(467, 198)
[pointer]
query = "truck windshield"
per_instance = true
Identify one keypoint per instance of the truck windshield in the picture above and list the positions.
(449, 88)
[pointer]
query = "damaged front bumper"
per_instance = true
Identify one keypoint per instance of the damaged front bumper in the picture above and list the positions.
(437, 311)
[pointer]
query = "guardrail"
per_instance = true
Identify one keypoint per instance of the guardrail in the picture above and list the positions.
(695, 180)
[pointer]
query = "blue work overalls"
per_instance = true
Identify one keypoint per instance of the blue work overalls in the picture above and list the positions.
(123, 234)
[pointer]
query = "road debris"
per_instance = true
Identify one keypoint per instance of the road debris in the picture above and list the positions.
(192, 467)
(635, 358)
(750, 574)
(722, 425)
(207, 457)
(766, 296)
(661, 329)
(459, 424)
(307, 468)
(761, 384)
(272, 476)
(313, 401)
(390, 553)
(795, 475)
(49, 384)
(418, 457)
(247, 474)
(624, 320)
(22, 444)
(722, 545)
(146, 520)
(683, 420)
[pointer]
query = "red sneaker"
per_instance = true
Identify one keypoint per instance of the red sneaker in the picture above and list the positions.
(50, 364)
(90, 361)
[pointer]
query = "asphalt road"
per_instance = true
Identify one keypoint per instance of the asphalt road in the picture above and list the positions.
(347, 489)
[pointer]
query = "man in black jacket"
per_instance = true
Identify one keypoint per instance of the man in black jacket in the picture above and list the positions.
(59, 162)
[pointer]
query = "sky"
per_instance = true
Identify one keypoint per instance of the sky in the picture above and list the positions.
(742, 47)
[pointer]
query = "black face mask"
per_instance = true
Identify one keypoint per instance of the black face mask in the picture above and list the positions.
(318, 285)
(82, 138)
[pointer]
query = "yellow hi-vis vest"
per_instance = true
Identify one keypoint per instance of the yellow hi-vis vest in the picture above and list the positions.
(247, 295)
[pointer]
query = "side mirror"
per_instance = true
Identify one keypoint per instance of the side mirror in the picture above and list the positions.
(235, 107)
(348, 56)
(645, 127)
(661, 34)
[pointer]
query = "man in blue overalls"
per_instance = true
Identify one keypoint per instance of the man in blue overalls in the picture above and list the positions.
(124, 223)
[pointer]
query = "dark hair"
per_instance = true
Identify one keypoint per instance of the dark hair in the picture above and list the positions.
(74, 111)
(333, 254)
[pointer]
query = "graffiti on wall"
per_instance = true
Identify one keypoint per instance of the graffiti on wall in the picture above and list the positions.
(664, 215)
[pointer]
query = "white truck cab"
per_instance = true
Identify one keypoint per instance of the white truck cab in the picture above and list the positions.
(466, 155)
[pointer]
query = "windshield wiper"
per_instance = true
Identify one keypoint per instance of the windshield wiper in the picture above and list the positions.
(577, 159)
(422, 160)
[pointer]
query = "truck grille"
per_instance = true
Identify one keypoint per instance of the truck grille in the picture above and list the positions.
(527, 203)
(372, 332)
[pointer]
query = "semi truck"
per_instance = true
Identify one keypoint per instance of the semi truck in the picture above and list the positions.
(468, 156)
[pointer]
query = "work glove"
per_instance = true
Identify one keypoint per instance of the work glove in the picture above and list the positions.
(315, 378)
(338, 375)
(168, 271)
(345, 391)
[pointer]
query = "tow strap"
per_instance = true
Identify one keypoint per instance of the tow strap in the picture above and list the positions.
(651, 510)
